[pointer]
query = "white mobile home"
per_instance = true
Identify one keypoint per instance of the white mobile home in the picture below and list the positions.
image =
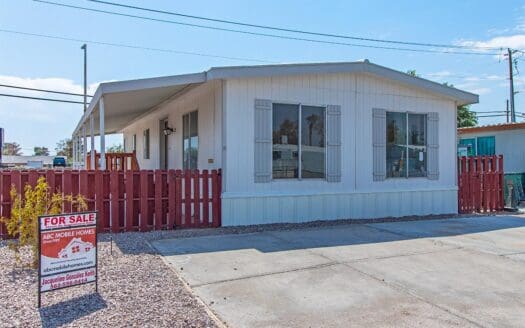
(295, 142)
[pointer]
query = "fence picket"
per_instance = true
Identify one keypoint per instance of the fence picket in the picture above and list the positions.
(205, 198)
(158, 200)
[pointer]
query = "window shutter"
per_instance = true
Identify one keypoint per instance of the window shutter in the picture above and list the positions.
(433, 146)
(379, 143)
(333, 143)
(263, 140)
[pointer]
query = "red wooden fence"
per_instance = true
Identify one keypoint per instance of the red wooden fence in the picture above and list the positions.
(480, 184)
(131, 200)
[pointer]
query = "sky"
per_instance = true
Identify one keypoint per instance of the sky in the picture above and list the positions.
(58, 64)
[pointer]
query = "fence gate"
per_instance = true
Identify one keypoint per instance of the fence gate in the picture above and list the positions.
(480, 181)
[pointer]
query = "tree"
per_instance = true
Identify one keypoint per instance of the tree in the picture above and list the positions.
(65, 148)
(115, 149)
(412, 72)
(40, 151)
(466, 117)
(12, 149)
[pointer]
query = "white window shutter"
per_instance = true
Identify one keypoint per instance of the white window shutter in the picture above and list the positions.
(333, 143)
(433, 146)
(379, 143)
(263, 140)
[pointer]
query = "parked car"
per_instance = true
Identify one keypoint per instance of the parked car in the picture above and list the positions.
(59, 162)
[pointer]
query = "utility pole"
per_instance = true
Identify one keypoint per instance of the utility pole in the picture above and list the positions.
(507, 111)
(511, 81)
(84, 47)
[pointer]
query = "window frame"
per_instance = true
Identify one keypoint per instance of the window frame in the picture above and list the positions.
(299, 141)
(134, 142)
(188, 114)
(146, 139)
(406, 176)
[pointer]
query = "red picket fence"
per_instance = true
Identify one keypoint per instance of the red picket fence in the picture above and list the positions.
(480, 184)
(131, 200)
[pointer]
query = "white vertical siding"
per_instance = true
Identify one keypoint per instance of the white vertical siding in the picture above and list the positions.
(207, 99)
(356, 195)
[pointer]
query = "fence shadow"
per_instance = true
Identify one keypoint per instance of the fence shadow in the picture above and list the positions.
(65, 312)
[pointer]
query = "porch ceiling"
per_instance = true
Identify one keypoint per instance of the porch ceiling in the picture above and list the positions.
(126, 101)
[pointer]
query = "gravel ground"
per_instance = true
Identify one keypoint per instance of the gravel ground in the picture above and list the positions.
(136, 289)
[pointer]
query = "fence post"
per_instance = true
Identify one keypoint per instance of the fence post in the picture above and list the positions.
(187, 198)
(501, 185)
(144, 204)
(205, 198)
(158, 199)
(178, 198)
(129, 181)
(114, 201)
(215, 197)
(171, 199)
(196, 198)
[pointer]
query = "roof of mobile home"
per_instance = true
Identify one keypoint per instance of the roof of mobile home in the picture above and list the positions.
(492, 127)
(128, 99)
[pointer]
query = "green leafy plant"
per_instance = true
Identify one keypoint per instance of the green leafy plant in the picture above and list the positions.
(23, 222)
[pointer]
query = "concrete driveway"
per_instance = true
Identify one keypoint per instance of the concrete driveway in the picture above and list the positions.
(454, 272)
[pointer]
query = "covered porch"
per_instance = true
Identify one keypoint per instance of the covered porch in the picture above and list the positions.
(117, 105)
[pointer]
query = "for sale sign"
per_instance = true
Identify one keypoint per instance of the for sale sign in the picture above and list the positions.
(68, 250)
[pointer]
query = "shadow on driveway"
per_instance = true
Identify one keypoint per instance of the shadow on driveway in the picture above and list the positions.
(340, 235)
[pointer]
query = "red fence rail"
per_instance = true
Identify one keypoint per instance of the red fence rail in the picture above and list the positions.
(131, 200)
(480, 181)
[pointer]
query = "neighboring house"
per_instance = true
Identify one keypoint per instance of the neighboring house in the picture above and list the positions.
(505, 139)
(36, 162)
(295, 142)
(75, 248)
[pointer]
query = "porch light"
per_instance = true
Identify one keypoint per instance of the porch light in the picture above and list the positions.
(167, 131)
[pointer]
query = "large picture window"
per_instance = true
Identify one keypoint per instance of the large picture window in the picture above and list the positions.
(190, 140)
(406, 151)
(298, 140)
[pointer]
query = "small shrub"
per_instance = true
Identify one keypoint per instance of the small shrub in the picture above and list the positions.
(23, 222)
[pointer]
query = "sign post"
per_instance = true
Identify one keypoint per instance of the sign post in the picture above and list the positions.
(67, 250)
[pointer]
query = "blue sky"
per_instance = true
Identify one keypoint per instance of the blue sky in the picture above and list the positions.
(55, 64)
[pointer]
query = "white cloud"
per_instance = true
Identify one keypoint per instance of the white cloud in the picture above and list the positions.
(516, 41)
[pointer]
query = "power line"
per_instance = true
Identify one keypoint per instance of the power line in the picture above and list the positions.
(123, 45)
(39, 98)
(282, 29)
(267, 34)
(43, 90)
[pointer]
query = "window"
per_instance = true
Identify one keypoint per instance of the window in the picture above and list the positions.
(298, 133)
(406, 151)
(190, 140)
(480, 146)
(486, 146)
(146, 144)
(470, 144)
(134, 143)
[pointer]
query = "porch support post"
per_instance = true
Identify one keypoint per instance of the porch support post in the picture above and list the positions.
(84, 146)
(102, 135)
(74, 148)
(92, 134)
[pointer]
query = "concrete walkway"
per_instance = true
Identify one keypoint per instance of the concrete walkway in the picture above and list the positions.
(456, 272)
